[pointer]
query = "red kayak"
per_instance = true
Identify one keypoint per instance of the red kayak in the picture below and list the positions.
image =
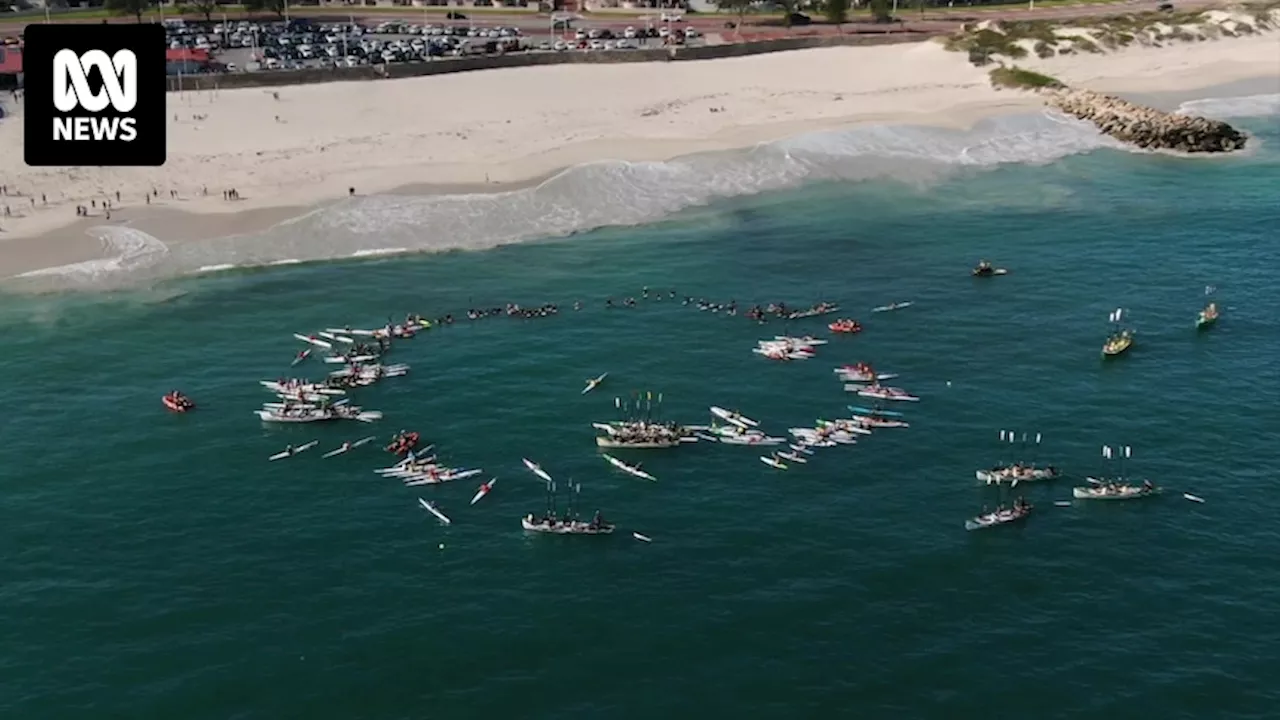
(178, 403)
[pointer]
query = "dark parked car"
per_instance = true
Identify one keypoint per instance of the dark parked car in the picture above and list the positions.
(451, 15)
(799, 19)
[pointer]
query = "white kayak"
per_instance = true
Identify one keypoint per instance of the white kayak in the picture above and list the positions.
(800, 449)
(314, 341)
(733, 417)
(536, 469)
(348, 447)
(806, 340)
(751, 440)
(344, 360)
(782, 355)
(887, 394)
(792, 457)
(336, 338)
(441, 479)
(892, 306)
(772, 462)
(290, 453)
(641, 538)
(301, 356)
(627, 468)
(594, 383)
(431, 508)
(349, 331)
(484, 490)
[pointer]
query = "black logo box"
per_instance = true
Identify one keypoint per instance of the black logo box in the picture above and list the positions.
(148, 44)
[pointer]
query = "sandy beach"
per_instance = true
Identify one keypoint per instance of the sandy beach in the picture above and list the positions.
(493, 130)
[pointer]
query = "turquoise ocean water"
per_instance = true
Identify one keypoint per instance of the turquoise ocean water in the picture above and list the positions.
(156, 566)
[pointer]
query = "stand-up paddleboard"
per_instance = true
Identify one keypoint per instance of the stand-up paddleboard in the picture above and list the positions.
(348, 448)
(536, 469)
(484, 490)
(892, 306)
(301, 356)
(594, 383)
(314, 341)
(431, 508)
(773, 463)
(287, 453)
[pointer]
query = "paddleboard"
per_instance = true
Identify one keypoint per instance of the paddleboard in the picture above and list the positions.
(285, 453)
(431, 508)
(641, 538)
(484, 490)
(1193, 498)
(894, 306)
(593, 384)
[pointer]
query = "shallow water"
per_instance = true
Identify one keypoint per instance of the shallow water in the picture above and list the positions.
(157, 567)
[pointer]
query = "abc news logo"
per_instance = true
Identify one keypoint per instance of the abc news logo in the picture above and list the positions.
(95, 95)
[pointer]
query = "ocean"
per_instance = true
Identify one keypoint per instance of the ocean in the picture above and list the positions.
(157, 566)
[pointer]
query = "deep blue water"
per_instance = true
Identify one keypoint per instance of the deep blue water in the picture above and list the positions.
(156, 566)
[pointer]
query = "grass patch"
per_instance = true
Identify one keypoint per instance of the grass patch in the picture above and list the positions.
(1019, 79)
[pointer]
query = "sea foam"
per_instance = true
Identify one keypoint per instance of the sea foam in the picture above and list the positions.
(130, 250)
(1233, 107)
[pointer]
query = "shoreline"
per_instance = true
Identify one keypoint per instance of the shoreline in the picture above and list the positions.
(789, 108)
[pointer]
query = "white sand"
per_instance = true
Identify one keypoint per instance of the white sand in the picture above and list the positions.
(504, 126)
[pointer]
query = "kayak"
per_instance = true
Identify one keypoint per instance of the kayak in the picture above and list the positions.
(431, 508)
(344, 360)
(177, 405)
(887, 394)
(286, 453)
(772, 462)
(792, 457)
(441, 478)
(314, 341)
(860, 410)
(738, 419)
(301, 356)
(800, 449)
(348, 448)
(892, 306)
(336, 338)
(536, 469)
(592, 384)
(484, 490)
(807, 340)
(641, 538)
(627, 468)
(751, 440)
(992, 272)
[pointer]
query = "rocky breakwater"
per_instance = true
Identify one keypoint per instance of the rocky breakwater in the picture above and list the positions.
(1147, 127)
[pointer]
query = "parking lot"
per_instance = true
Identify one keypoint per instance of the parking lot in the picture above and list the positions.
(247, 46)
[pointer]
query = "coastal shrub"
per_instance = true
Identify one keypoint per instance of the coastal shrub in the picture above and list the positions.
(1044, 50)
(1084, 44)
(1016, 77)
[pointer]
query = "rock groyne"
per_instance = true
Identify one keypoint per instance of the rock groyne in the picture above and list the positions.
(1147, 127)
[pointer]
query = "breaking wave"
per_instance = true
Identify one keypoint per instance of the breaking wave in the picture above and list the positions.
(600, 194)
(1233, 107)
(129, 250)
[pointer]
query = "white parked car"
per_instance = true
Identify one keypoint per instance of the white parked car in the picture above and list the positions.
(629, 33)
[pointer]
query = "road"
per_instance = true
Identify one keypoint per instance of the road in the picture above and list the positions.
(535, 25)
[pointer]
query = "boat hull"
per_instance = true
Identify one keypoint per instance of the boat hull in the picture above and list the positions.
(609, 442)
(982, 522)
(995, 477)
(1088, 493)
(576, 528)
